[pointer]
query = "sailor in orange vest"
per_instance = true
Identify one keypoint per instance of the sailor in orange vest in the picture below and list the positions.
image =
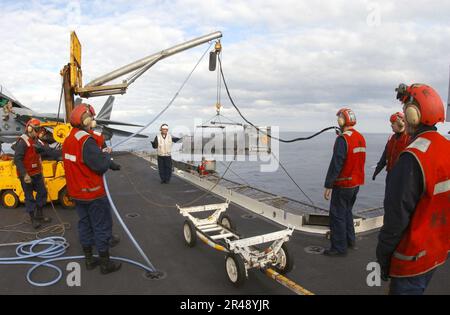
(84, 165)
(29, 169)
(395, 145)
(415, 237)
(345, 175)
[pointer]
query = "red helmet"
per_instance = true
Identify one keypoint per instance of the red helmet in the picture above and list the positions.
(349, 117)
(33, 123)
(396, 116)
(77, 114)
(422, 104)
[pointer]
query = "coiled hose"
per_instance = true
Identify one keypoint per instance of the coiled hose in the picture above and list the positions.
(54, 250)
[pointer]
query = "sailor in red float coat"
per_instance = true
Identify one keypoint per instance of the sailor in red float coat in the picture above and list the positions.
(345, 175)
(84, 165)
(29, 169)
(397, 142)
(415, 237)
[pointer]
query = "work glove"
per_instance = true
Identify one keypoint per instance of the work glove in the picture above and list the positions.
(384, 273)
(27, 179)
(377, 171)
(114, 166)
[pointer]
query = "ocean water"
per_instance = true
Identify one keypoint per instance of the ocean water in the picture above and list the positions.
(306, 161)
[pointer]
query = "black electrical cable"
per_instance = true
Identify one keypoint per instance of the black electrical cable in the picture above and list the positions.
(259, 130)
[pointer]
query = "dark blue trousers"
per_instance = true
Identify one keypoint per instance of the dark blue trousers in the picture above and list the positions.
(411, 285)
(342, 229)
(95, 224)
(37, 184)
(165, 168)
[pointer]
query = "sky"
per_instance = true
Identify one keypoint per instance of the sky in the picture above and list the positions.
(288, 63)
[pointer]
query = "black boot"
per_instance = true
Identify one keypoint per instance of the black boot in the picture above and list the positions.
(40, 216)
(106, 264)
(90, 260)
(35, 223)
(114, 241)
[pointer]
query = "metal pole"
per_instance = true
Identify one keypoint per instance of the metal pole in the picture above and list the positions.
(68, 92)
(153, 58)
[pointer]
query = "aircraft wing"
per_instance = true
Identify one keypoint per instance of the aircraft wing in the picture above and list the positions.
(109, 132)
(54, 117)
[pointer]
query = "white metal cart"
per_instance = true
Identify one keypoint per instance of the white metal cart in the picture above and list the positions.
(217, 231)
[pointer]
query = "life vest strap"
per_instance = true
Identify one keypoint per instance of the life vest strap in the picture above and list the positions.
(410, 258)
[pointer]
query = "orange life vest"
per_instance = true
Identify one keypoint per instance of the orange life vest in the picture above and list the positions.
(426, 242)
(352, 173)
(82, 182)
(32, 160)
(394, 147)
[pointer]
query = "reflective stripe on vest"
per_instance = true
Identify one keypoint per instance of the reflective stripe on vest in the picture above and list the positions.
(344, 178)
(420, 144)
(26, 139)
(359, 150)
(442, 187)
(80, 134)
(91, 189)
(348, 132)
(70, 157)
(410, 258)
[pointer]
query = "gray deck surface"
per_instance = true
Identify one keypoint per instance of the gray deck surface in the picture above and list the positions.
(198, 270)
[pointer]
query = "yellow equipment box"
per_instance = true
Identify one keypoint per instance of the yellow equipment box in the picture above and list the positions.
(11, 189)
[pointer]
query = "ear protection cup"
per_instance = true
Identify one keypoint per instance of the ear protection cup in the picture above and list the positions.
(423, 105)
(341, 121)
(412, 115)
(87, 121)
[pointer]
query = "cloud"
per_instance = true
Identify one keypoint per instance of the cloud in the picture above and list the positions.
(287, 63)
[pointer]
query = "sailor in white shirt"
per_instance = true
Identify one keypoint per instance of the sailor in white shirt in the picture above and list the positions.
(163, 143)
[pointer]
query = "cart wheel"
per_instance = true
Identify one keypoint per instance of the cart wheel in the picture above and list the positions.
(285, 260)
(235, 267)
(225, 221)
(190, 234)
(64, 199)
(10, 199)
